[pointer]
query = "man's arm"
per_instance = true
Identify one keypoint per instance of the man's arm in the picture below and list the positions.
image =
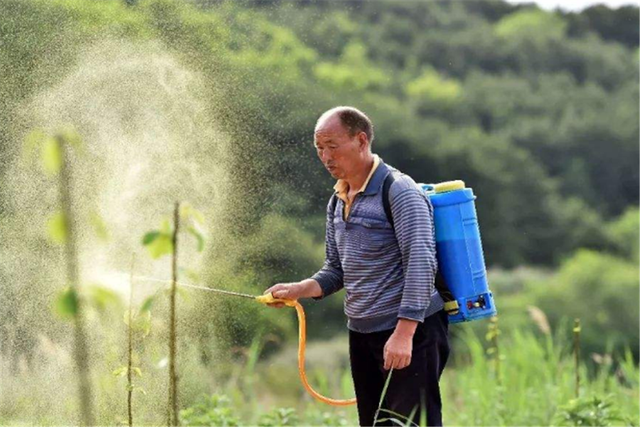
(330, 277)
(413, 221)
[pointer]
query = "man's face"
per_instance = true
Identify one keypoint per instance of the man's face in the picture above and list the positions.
(339, 152)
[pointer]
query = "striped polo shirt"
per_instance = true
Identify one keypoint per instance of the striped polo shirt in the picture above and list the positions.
(387, 274)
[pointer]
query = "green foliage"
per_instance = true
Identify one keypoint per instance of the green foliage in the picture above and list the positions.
(51, 147)
(160, 242)
(66, 303)
(603, 291)
(194, 221)
(382, 395)
(279, 417)
(353, 72)
(147, 304)
(276, 49)
(531, 24)
(432, 86)
(123, 371)
(592, 411)
(99, 226)
(57, 228)
(624, 234)
(538, 377)
(102, 299)
(557, 103)
(326, 418)
(51, 156)
(211, 410)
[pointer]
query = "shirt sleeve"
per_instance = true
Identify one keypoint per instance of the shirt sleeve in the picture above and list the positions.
(330, 277)
(413, 222)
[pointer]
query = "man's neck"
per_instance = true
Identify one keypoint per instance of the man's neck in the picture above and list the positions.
(357, 180)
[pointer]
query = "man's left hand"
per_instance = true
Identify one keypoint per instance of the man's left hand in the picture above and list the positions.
(397, 351)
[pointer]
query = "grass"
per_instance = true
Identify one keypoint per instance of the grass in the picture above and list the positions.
(537, 372)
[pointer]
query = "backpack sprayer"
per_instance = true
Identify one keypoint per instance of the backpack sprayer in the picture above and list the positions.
(462, 275)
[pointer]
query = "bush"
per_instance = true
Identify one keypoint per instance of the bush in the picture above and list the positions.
(212, 410)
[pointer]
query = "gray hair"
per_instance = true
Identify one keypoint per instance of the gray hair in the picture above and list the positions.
(351, 118)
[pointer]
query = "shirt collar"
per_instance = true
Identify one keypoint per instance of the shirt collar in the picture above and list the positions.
(371, 184)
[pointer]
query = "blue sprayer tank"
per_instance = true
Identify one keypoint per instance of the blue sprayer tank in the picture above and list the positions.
(459, 250)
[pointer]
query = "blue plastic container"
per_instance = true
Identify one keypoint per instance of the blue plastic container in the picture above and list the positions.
(459, 250)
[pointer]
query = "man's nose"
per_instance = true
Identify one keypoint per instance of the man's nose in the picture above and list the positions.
(325, 156)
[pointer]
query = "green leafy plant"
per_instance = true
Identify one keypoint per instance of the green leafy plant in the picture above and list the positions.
(325, 418)
(161, 242)
(55, 154)
(211, 410)
(279, 417)
(591, 411)
(135, 321)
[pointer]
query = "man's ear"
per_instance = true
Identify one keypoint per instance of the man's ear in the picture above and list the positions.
(363, 141)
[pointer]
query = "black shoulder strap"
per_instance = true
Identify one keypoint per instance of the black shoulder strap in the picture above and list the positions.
(388, 181)
(332, 204)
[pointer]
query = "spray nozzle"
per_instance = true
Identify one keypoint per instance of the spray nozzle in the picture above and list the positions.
(269, 299)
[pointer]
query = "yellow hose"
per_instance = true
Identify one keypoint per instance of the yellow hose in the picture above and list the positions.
(302, 344)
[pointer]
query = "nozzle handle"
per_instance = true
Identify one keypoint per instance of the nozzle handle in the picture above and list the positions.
(269, 299)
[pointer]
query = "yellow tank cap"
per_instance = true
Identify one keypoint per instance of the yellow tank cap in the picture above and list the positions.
(443, 187)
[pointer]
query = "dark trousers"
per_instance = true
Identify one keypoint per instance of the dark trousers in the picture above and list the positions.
(415, 386)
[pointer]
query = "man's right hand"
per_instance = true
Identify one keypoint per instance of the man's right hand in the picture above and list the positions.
(305, 289)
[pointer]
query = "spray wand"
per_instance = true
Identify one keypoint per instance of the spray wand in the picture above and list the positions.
(302, 333)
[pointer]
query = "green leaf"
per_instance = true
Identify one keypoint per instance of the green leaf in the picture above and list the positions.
(57, 228)
(188, 212)
(136, 371)
(99, 226)
(140, 389)
(150, 237)
(120, 372)
(102, 297)
(72, 137)
(165, 227)
(147, 304)
(143, 323)
(66, 303)
(52, 156)
(198, 236)
(161, 245)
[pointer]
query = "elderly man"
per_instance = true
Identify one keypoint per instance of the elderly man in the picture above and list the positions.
(385, 259)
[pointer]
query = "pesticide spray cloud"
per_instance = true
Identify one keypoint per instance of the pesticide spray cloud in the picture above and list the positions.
(148, 140)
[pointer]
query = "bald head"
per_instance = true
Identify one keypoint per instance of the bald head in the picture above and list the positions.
(352, 119)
